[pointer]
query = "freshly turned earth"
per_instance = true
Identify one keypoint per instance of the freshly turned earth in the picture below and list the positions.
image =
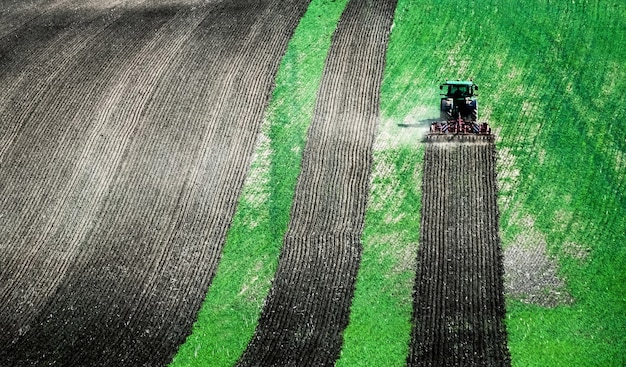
(459, 309)
(126, 131)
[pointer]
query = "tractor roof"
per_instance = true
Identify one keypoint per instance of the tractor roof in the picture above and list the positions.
(459, 82)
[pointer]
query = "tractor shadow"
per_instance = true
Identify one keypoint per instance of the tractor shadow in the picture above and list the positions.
(419, 124)
(415, 130)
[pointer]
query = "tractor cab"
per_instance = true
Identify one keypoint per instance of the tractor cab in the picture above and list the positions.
(458, 89)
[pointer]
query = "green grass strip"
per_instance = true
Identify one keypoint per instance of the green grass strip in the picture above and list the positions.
(231, 310)
(380, 317)
(571, 177)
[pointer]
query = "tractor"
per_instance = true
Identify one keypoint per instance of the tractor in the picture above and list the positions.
(459, 110)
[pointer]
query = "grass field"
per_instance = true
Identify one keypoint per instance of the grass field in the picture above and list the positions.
(550, 76)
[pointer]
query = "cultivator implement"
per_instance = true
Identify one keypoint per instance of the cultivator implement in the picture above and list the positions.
(459, 130)
(457, 138)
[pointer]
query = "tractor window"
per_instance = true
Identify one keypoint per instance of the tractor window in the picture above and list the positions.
(458, 90)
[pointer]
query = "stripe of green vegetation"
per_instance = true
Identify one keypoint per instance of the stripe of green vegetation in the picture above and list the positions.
(379, 329)
(229, 315)
(421, 45)
(572, 180)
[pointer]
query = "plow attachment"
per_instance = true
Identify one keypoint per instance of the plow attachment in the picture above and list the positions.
(459, 130)
(457, 138)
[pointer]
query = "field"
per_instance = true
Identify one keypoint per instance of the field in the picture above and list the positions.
(243, 182)
(126, 141)
(548, 72)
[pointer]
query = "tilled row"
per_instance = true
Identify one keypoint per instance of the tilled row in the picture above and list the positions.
(121, 176)
(51, 185)
(459, 295)
(308, 305)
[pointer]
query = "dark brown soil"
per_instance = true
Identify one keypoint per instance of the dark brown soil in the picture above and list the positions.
(126, 131)
(458, 302)
(308, 306)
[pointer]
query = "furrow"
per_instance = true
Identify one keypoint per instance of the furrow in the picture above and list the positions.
(49, 250)
(459, 288)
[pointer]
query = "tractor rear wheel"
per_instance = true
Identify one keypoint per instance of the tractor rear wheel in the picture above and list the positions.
(473, 107)
(446, 109)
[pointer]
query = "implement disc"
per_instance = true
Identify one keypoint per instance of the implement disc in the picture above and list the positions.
(458, 138)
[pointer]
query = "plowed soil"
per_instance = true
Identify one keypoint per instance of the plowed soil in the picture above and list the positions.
(125, 134)
(308, 305)
(458, 300)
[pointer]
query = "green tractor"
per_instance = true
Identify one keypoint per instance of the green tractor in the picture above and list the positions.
(459, 110)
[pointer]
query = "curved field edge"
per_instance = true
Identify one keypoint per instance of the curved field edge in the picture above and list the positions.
(380, 316)
(561, 150)
(233, 304)
(155, 227)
